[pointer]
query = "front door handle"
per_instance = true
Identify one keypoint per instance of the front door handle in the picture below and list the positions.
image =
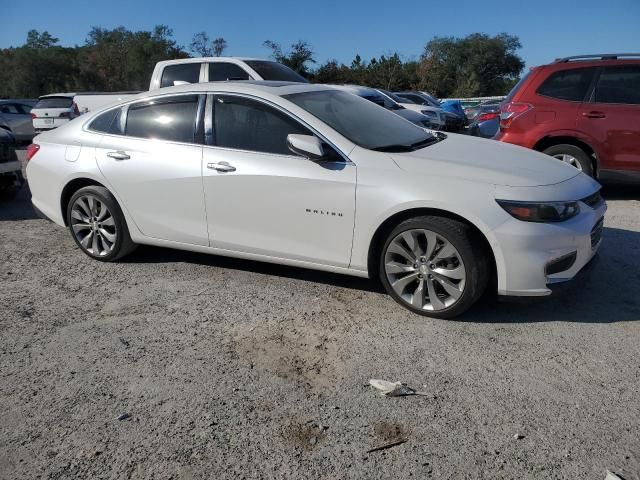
(594, 115)
(118, 155)
(221, 167)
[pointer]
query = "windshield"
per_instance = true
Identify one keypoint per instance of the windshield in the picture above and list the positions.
(395, 97)
(361, 121)
(275, 71)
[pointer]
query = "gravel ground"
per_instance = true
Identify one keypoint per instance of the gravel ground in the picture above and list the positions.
(180, 365)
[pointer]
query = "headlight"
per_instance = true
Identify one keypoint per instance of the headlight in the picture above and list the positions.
(540, 211)
(429, 113)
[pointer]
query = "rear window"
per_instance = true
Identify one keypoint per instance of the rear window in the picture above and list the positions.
(619, 85)
(517, 86)
(222, 71)
(54, 102)
(182, 72)
(275, 71)
(569, 85)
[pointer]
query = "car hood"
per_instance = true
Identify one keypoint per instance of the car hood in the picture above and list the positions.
(486, 161)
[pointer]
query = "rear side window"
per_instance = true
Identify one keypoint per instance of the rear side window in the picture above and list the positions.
(172, 119)
(108, 122)
(275, 71)
(619, 85)
(569, 85)
(54, 102)
(249, 125)
(222, 71)
(183, 72)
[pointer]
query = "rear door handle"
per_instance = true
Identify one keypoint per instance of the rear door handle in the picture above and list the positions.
(594, 114)
(221, 167)
(118, 155)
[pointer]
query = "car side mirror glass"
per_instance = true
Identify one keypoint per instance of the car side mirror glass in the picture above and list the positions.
(306, 145)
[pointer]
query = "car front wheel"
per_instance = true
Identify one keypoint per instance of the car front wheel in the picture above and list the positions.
(434, 266)
(97, 224)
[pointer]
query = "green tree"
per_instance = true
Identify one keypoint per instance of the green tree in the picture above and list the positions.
(476, 65)
(219, 45)
(297, 58)
(200, 45)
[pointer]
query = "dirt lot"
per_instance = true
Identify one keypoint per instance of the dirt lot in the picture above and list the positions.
(235, 369)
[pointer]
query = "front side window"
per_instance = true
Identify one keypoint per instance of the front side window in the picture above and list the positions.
(168, 118)
(222, 71)
(619, 85)
(245, 124)
(569, 85)
(361, 121)
(181, 73)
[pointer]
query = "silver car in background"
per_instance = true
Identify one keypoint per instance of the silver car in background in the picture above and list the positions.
(15, 116)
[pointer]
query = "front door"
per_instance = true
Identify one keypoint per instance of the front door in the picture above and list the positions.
(263, 199)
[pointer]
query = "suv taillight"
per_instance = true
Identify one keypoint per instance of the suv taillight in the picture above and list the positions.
(510, 111)
(65, 115)
(33, 115)
(32, 150)
(483, 117)
(76, 111)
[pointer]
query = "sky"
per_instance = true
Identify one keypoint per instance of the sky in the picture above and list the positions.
(341, 29)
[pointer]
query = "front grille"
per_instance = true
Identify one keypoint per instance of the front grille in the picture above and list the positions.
(594, 201)
(596, 233)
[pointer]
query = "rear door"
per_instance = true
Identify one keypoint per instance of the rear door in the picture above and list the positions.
(612, 117)
(154, 166)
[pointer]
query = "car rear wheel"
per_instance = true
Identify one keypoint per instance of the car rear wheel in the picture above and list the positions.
(97, 224)
(434, 266)
(572, 155)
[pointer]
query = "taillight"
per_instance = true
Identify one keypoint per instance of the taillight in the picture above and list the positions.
(510, 111)
(32, 150)
(76, 111)
(483, 117)
(65, 115)
(33, 115)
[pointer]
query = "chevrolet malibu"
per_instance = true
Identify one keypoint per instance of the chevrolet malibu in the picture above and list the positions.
(315, 177)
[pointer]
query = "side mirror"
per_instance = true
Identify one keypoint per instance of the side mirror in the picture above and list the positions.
(306, 145)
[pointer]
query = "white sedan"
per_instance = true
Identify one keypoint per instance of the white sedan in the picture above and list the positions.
(315, 177)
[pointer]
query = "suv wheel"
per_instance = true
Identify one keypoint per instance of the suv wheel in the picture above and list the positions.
(574, 156)
(434, 266)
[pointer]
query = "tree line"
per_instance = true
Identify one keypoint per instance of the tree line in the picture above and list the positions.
(120, 59)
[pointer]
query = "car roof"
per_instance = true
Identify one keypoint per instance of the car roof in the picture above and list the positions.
(278, 88)
(64, 95)
(212, 59)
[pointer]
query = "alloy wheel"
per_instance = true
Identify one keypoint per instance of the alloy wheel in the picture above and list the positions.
(93, 225)
(570, 159)
(424, 269)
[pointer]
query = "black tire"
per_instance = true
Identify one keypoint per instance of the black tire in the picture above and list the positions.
(123, 244)
(10, 192)
(471, 250)
(576, 152)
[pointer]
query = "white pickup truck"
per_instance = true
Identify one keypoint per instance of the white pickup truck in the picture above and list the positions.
(196, 70)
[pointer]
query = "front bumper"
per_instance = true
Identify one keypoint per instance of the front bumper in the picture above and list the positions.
(528, 248)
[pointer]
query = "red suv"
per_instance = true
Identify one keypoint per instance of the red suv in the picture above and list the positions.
(583, 110)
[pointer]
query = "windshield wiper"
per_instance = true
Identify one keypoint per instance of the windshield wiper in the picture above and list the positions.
(398, 147)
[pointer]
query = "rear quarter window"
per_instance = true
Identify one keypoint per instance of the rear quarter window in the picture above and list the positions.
(571, 85)
(108, 122)
(54, 102)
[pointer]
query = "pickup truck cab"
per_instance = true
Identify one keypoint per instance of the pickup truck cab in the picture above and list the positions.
(169, 73)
